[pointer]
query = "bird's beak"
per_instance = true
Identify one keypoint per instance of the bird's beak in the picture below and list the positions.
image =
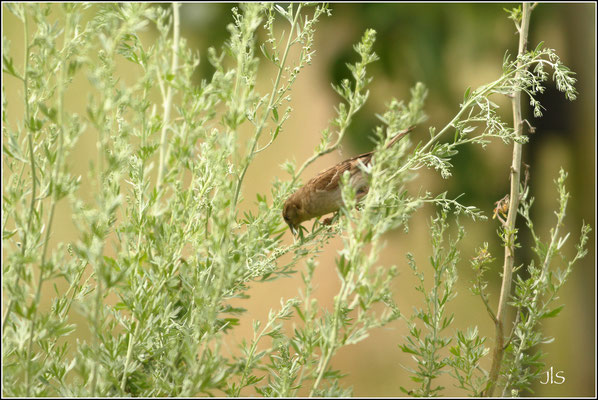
(293, 229)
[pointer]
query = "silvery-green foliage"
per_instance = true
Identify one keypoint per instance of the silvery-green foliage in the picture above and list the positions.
(533, 296)
(161, 247)
(158, 229)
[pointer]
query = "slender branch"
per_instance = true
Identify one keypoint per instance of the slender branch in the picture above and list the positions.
(529, 323)
(325, 360)
(54, 179)
(340, 135)
(251, 355)
(330, 149)
(132, 340)
(509, 229)
(168, 99)
(271, 103)
(96, 319)
(484, 298)
(468, 106)
(31, 156)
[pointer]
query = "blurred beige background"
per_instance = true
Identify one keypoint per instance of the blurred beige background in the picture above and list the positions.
(448, 47)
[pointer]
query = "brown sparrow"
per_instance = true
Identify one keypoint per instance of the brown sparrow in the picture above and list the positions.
(323, 195)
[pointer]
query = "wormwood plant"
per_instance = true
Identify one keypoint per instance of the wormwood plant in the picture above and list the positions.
(161, 248)
(516, 358)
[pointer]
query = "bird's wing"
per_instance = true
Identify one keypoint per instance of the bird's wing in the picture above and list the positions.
(329, 178)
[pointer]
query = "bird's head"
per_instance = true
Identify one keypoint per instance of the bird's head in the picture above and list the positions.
(292, 214)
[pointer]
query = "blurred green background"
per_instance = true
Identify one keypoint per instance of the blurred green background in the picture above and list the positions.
(448, 47)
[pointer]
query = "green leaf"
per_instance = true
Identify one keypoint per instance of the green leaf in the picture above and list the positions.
(405, 349)
(8, 234)
(467, 93)
(9, 68)
(73, 68)
(50, 113)
(265, 52)
(276, 132)
(16, 9)
(64, 330)
(553, 313)
(34, 124)
(343, 266)
(538, 47)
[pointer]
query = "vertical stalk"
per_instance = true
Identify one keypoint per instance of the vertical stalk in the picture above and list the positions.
(132, 340)
(509, 226)
(271, 102)
(55, 173)
(31, 155)
(96, 323)
(166, 105)
(325, 359)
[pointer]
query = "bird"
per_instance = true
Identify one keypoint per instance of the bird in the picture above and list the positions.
(322, 194)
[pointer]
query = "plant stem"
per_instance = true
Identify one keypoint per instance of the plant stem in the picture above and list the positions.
(341, 134)
(98, 302)
(54, 179)
(249, 361)
(168, 99)
(132, 339)
(342, 299)
(530, 322)
(509, 228)
(326, 359)
(268, 109)
(31, 156)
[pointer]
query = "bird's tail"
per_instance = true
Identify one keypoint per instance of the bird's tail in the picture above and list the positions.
(400, 136)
